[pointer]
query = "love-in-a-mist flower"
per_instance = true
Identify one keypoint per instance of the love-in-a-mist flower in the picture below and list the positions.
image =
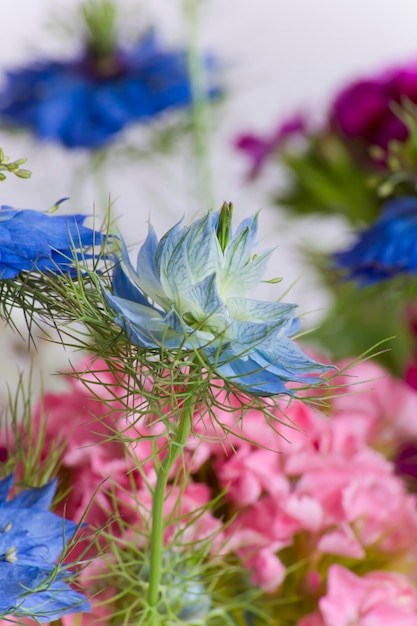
(189, 292)
(32, 240)
(84, 101)
(385, 249)
(31, 540)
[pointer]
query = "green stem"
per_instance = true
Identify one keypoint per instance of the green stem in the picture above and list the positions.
(175, 448)
(200, 105)
(99, 162)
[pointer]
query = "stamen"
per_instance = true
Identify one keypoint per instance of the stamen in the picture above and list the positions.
(11, 555)
(7, 527)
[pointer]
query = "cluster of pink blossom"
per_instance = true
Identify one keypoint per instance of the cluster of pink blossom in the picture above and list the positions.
(325, 492)
(316, 494)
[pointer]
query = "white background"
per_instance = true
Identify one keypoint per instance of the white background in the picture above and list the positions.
(278, 56)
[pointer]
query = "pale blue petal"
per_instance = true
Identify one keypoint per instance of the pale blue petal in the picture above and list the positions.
(252, 378)
(290, 362)
(251, 224)
(237, 253)
(176, 274)
(258, 310)
(166, 246)
(247, 336)
(124, 287)
(203, 248)
(191, 339)
(202, 301)
(145, 326)
(241, 280)
(147, 273)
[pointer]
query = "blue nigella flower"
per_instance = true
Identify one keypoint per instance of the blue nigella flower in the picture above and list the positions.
(85, 101)
(385, 249)
(32, 240)
(31, 540)
(188, 291)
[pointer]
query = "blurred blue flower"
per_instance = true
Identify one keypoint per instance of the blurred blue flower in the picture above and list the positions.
(85, 101)
(31, 240)
(385, 249)
(188, 291)
(31, 540)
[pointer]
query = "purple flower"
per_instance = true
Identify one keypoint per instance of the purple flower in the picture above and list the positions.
(259, 149)
(362, 110)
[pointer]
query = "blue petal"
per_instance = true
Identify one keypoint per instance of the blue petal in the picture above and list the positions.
(258, 310)
(50, 604)
(147, 271)
(203, 249)
(386, 248)
(14, 580)
(145, 326)
(31, 239)
(203, 302)
(37, 497)
(251, 377)
(124, 288)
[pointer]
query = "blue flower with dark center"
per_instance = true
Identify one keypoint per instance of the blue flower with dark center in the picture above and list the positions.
(385, 249)
(31, 540)
(85, 101)
(31, 240)
(188, 292)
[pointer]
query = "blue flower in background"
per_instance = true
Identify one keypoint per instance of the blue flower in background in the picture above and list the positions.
(31, 540)
(31, 240)
(84, 102)
(385, 249)
(188, 291)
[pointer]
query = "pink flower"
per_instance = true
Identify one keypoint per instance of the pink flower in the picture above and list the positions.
(376, 599)
(387, 405)
(268, 570)
(314, 619)
(249, 473)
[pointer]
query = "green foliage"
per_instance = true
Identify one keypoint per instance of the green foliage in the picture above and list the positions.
(326, 178)
(101, 24)
(363, 320)
(401, 156)
(12, 167)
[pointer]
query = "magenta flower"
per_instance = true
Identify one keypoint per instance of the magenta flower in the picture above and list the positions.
(363, 109)
(259, 149)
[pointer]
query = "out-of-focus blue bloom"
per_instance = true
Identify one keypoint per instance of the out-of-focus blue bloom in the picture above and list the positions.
(84, 102)
(31, 540)
(31, 240)
(188, 291)
(385, 249)
(185, 594)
